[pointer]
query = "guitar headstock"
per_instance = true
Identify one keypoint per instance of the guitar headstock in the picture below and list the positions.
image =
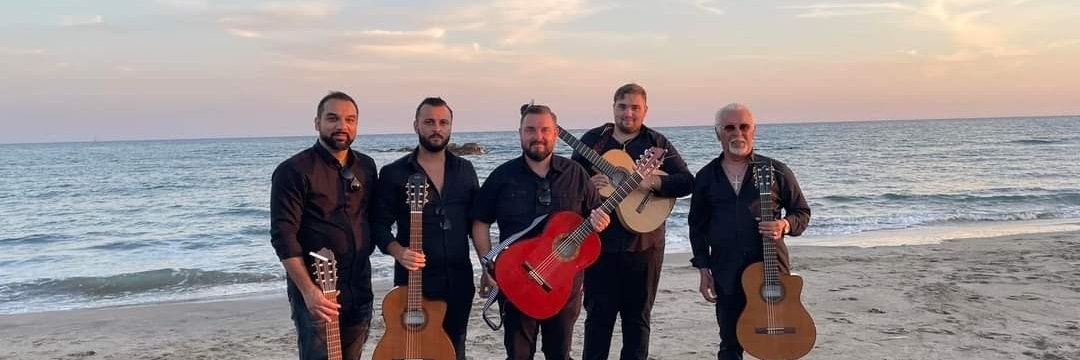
(325, 270)
(650, 161)
(416, 192)
(763, 176)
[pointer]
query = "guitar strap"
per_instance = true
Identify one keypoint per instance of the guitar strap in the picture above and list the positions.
(488, 263)
(604, 137)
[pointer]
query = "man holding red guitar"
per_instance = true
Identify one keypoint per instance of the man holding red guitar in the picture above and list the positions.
(725, 232)
(517, 192)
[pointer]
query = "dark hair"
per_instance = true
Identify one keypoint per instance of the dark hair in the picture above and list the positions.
(433, 102)
(628, 89)
(529, 108)
(336, 95)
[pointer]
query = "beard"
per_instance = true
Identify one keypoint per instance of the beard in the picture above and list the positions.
(433, 147)
(537, 155)
(335, 144)
(622, 125)
(739, 147)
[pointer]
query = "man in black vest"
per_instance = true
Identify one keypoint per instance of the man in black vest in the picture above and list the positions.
(624, 279)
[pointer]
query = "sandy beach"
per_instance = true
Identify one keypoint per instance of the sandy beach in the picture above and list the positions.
(991, 298)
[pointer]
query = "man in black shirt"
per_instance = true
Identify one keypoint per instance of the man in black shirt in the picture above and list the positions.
(625, 277)
(517, 192)
(447, 269)
(725, 232)
(318, 199)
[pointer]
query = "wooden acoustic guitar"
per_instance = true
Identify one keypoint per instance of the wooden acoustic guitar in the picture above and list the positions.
(414, 325)
(774, 325)
(325, 271)
(537, 274)
(641, 211)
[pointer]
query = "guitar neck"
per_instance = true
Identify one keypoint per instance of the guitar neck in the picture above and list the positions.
(333, 336)
(772, 265)
(595, 159)
(416, 244)
(625, 188)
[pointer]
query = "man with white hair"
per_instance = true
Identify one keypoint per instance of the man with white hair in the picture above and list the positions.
(725, 231)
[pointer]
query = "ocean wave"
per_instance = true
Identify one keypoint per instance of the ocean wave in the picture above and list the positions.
(36, 239)
(1063, 198)
(1036, 141)
(246, 211)
(858, 224)
(130, 283)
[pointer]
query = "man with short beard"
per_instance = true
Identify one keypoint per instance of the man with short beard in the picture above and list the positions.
(725, 234)
(518, 191)
(318, 199)
(624, 279)
(447, 270)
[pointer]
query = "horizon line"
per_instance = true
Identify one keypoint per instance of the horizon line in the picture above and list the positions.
(507, 130)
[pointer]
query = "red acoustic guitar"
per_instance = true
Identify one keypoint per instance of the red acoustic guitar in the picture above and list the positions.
(537, 274)
(413, 323)
(774, 325)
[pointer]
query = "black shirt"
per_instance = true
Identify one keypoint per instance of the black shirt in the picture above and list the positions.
(678, 183)
(446, 224)
(513, 194)
(312, 207)
(724, 227)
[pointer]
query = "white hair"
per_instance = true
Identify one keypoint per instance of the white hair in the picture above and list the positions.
(731, 108)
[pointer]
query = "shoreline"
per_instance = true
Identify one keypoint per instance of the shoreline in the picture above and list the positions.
(1002, 297)
(922, 235)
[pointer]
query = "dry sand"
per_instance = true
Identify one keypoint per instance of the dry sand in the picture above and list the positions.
(1013, 297)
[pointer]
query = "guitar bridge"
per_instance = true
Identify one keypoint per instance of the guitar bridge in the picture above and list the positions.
(535, 276)
(774, 331)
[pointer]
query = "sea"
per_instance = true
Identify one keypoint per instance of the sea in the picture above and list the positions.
(100, 224)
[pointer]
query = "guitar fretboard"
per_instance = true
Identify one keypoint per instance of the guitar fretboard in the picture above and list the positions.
(585, 228)
(416, 244)
(763, 174)
(579, 147)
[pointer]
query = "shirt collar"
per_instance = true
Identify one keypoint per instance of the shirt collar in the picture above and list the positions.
(329, 158)
(557, 165)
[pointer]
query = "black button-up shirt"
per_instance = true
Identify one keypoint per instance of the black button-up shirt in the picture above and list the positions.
(312, 207)
(724, 227)
(446, 225)
(511, 195)
(679, 182)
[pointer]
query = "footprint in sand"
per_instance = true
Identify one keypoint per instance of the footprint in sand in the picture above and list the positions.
(840, 320)
(1023, 297)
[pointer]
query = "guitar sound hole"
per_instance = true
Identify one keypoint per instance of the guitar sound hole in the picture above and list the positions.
(772, 293)
(618, 178)
(415, 319)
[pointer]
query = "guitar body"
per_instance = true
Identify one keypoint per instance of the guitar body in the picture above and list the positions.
(641, 211)
(403, 328)
(537, 275)
(774, 325)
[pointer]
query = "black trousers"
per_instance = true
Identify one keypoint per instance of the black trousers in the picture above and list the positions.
(311, 333)
(728, 308)
(621, 284)
(520, 330)
(456, 322)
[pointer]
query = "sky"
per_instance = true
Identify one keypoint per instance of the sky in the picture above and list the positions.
(162, 69)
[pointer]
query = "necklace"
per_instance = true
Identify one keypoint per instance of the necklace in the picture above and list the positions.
(736, 180)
